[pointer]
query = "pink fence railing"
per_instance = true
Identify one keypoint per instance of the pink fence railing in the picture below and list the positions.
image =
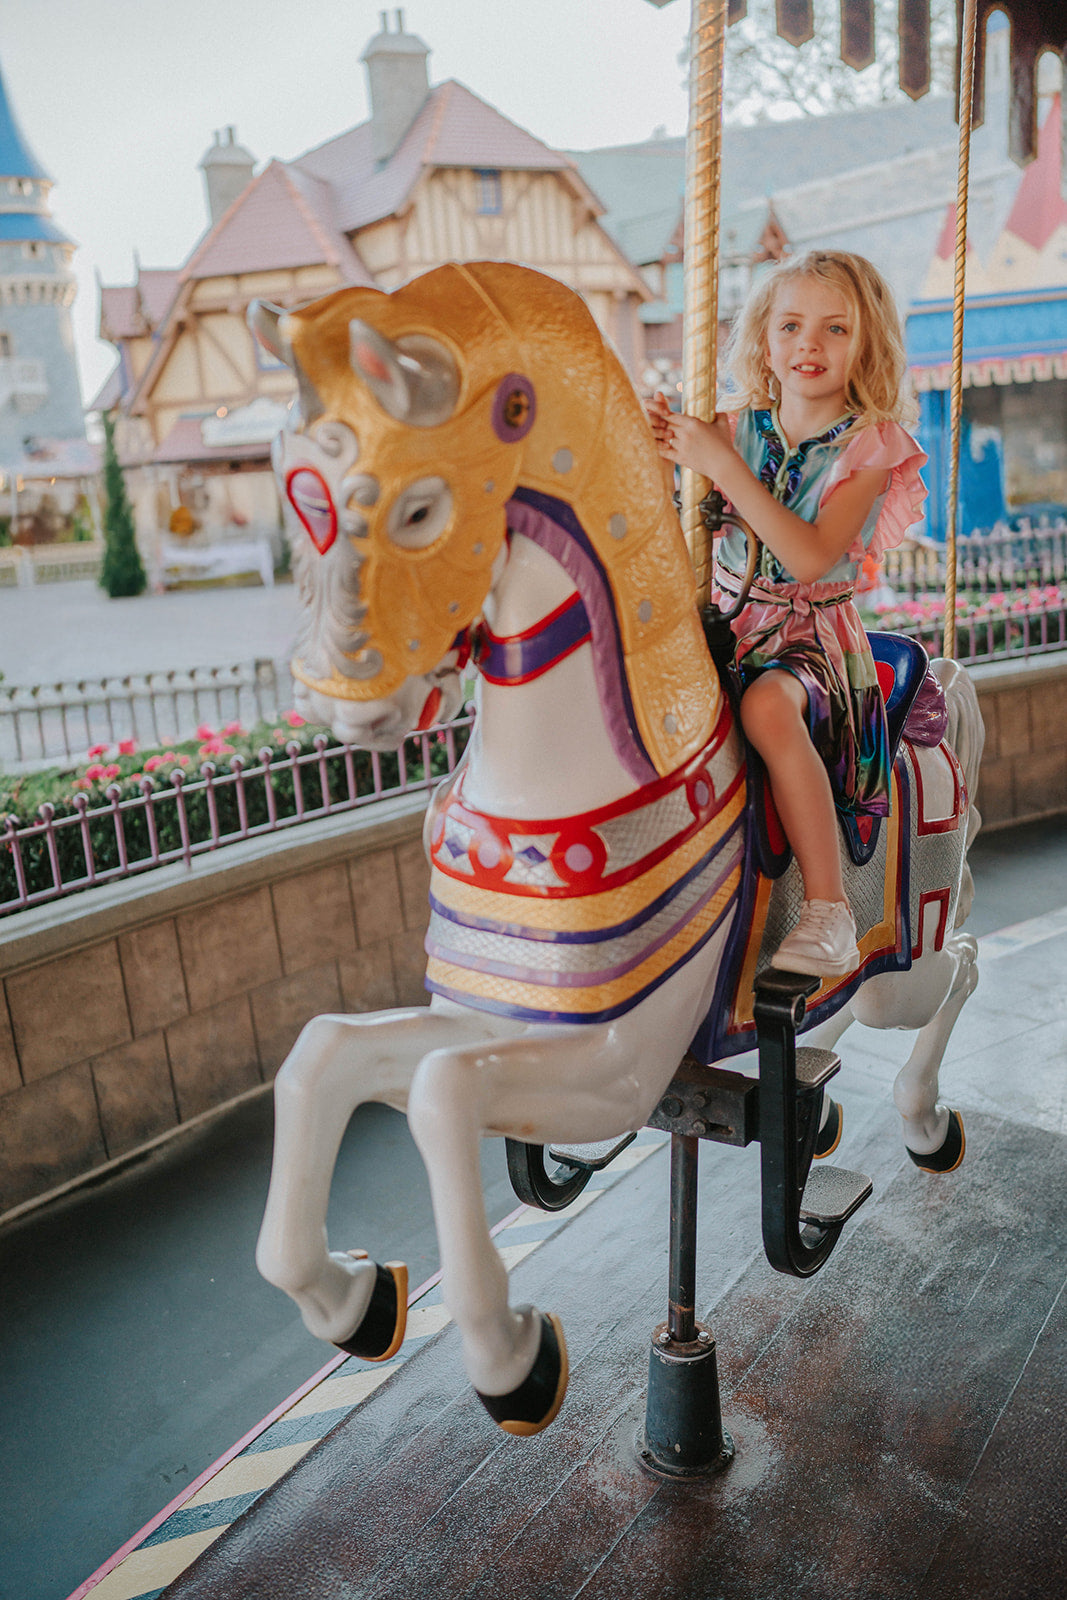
(77, 845)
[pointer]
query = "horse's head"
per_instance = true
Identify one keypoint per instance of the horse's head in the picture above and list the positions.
(413, 413)
(427, 419)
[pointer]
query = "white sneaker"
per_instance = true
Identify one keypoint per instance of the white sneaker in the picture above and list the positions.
(823, 943)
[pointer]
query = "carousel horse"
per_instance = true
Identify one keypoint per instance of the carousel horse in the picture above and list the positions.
(469, 477)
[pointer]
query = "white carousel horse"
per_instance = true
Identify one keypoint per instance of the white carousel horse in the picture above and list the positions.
(468, 464)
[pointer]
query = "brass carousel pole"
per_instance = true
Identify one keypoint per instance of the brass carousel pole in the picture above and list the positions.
(683, 1436)
(707, 52)
(968, 28)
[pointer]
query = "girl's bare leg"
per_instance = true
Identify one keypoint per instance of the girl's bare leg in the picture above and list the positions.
(774, 717)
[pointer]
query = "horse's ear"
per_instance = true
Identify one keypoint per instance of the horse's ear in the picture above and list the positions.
(267, 323)
(415, 379)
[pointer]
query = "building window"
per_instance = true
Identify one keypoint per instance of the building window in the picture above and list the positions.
(34, 249)
(490, 196)
(20, 185)
(5, 346)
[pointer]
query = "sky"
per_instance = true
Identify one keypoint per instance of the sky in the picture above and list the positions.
(119, 99)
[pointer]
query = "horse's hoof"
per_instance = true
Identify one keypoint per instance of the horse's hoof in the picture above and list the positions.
(829, 1135)
(951, 1153)
(381, 1332)
(535, 1403)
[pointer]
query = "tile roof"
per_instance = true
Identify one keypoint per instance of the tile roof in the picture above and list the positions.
(454, 129)
(284, 218)
(642, 184)
(157, 287)
(131, 310)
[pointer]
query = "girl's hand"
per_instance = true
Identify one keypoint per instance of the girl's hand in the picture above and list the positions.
(703, 446)
(660, 418)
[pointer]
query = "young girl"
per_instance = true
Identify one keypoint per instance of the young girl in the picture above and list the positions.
(812, 454)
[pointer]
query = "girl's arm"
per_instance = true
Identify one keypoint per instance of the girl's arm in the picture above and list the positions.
(808, 550)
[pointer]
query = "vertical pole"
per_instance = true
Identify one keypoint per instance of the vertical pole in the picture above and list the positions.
(683, 1435)
(681, 1304)
(700, 357)
(968, 28)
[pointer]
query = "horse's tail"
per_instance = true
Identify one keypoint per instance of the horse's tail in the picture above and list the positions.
(966, 734)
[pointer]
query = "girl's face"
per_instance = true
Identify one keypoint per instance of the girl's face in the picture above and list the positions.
(809, 343)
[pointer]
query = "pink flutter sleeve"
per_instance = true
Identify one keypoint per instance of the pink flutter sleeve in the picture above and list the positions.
(886, 445)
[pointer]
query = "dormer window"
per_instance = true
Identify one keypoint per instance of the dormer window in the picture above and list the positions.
(23, 186)
(490, 194)
(34, 249)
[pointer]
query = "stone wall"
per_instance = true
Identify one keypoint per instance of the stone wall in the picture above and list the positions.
(1024, 766)
(129, 1012)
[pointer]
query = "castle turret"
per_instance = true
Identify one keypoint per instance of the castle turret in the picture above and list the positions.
(227, 169)
(398, 83)
(39, 393)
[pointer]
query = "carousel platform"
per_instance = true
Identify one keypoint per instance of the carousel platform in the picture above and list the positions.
(900, 1419)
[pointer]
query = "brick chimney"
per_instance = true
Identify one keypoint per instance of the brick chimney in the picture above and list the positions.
(398, 84)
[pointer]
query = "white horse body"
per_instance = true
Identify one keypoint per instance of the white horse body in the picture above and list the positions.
(543, 748)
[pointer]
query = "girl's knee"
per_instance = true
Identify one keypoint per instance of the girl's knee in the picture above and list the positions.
(771, 708)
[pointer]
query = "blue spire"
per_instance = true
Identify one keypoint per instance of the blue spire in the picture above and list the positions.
(17, 160)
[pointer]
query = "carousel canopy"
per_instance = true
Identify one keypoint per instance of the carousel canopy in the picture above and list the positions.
(1036, 26)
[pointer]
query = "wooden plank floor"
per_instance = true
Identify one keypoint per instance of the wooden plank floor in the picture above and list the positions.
(899, 1419)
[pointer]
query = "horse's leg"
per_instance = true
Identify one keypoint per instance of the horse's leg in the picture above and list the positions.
(929, 998)
(573, 1083)
(337, 1063)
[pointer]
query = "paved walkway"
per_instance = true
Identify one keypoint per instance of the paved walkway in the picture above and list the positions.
(63, 632)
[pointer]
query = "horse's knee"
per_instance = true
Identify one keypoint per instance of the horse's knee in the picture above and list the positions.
(440, 1088)
(312, 1056)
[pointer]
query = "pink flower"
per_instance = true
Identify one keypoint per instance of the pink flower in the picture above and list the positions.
(112, 771)
(95, 771)
(204, 732)
(98, 750)
(127, 747)
(293, 718)
(216, 747)
(232, 728)
(152, 763)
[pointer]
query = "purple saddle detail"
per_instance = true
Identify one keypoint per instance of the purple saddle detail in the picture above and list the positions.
(928, 717)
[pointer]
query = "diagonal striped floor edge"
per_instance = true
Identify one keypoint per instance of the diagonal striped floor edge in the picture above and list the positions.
(162, 1551)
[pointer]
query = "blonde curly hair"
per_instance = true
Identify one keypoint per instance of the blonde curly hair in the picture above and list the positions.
(874, 387)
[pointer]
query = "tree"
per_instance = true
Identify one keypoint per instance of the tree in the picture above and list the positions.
(768, 79)
(122, 573)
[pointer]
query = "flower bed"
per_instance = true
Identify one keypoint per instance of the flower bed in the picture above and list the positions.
(130, 809)
(988, 626)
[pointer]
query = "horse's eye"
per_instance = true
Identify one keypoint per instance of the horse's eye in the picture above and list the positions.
(420, 514)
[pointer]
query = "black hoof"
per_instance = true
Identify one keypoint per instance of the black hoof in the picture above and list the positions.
(381, 1333)
(951, 1153)
(829, 1135)
(535, 1403)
